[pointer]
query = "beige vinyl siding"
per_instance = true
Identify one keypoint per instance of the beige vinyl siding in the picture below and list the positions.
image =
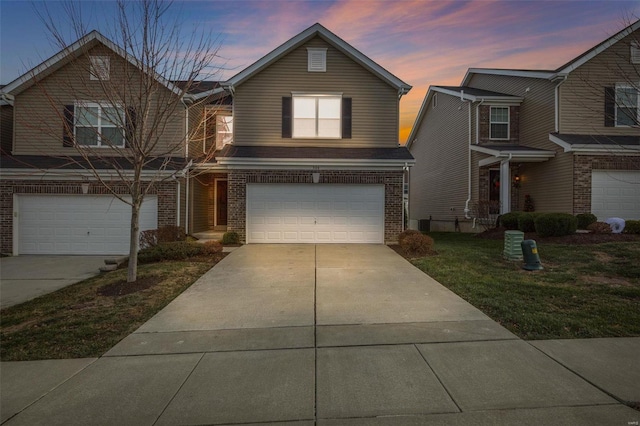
(438, 181)
(258, 101)
(39, 109)
(6, 128)
(549, 183)
(582, 94)
(196, 130)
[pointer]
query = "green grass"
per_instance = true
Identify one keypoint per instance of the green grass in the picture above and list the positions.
(584, 291)
(77, 321)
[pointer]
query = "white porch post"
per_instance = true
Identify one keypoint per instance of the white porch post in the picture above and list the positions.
(505, 187)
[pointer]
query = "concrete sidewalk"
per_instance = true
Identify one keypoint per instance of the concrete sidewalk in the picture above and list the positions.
(328, 335)
(26, 277)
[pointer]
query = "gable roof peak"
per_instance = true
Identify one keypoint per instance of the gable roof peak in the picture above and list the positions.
(314, 30)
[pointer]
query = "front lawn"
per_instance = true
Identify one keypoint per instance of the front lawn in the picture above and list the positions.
(88, 318)
(588, 290)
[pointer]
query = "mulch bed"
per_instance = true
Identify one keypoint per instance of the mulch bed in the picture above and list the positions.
(578, 238)
(122, 287)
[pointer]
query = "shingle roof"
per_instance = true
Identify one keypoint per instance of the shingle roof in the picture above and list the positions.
(233, 151)
(476, 92)
(598, 139)
(45, 162)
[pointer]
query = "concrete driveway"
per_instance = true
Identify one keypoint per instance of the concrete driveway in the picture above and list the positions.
(26, 277)
(327, 335)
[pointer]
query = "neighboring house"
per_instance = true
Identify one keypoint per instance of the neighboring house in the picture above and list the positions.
(567, 139)
(305, 145)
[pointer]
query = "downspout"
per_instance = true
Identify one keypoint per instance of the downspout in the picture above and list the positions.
(405, 170)
(186, 153)
(556, 92)
(178, 203)
(466, 203)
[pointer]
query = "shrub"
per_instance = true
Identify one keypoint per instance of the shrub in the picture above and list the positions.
(177, 250)
(526, 221)
(211, 247)
(632, 227)
(231, 237)
(510, 220)
(416, 244)
(555, 224)
(585, 219)
(407, 233)
(599, 228)
(164, 234)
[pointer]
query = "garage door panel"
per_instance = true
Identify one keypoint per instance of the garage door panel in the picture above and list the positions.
(78, 224)
(316, 213)
(615, 193)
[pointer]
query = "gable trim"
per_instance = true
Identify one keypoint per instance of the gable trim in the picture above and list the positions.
(67, 54)
(329, 37)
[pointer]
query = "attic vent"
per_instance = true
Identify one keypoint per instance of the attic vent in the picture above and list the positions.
(99, 68)
(316, 59)
(635, 52)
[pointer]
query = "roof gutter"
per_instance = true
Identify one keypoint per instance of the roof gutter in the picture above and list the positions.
(6, 97)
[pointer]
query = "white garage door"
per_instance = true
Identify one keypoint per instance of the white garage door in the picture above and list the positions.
(78, 224)
(615, 193)
(315, 213)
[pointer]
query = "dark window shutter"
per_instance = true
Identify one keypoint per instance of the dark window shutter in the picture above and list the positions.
(609, 107)
(346, 118)
(130, 126)
(67, 127)
(287, 117)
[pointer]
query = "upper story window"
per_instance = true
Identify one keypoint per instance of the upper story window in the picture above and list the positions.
(316, 59)
(100, 67)
(224, 130)
(499, 123)
(99, 125)
(627, 104)
(317, 116)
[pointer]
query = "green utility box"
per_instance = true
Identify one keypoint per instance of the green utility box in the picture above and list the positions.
(531, 256)
(512, 245)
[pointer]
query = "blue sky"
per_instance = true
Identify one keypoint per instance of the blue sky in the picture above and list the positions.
(421, 42)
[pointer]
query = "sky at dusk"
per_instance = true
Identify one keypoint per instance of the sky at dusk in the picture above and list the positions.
(422, 42)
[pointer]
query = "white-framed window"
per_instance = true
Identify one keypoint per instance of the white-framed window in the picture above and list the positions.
(499, 123)
(627, 105)
(98, 125)
(100, 67)
(317, 116)
(224, 130)
(316, 59)
(635, 52)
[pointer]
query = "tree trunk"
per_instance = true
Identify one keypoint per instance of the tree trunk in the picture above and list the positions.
(132, 272)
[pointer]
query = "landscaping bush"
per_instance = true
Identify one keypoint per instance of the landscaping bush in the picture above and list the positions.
(407, 233)
(211, 247)
(510, 220)
(526, 221)
(632, 227)
(164, 234)
(416, 244)
(555, 224)
(599, 228)
(585, 219)
(177, 250)
(231, 237)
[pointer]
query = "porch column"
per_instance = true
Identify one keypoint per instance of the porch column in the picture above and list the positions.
(505, 187)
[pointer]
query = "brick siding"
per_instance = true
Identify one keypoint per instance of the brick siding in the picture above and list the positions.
(485, 123)
(392, 181)
(582, 167)
(166, 192)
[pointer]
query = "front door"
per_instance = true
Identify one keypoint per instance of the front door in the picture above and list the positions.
(221, 203)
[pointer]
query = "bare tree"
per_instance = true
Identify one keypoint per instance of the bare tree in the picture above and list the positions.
(130, 110)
